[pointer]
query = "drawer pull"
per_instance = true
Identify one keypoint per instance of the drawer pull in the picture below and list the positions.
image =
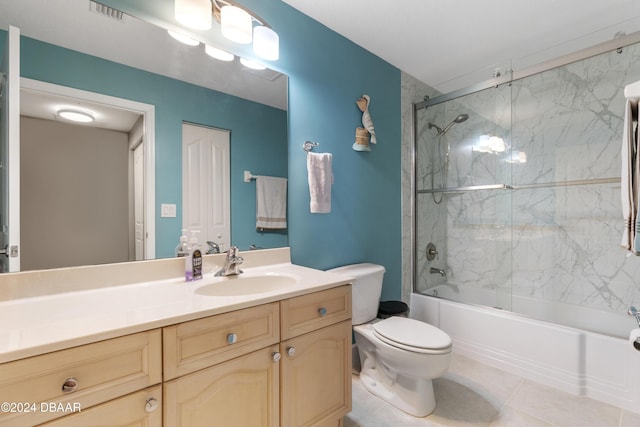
(322, 311)
(291, 351)
(232, 338)
(276, 356)
(70, 385)
(151, 404)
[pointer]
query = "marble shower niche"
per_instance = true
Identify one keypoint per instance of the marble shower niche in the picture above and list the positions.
(530, 211)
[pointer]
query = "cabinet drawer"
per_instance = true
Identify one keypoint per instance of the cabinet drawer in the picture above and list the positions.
(101, 371)
(197, 344)
(142, 408)
(313, 311)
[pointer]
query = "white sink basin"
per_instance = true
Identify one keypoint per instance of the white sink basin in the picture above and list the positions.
(246, 285)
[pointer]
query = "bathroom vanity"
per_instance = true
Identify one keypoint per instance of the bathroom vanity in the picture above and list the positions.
(170, 353)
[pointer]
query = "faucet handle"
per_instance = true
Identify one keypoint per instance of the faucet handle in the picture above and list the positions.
(233, 251)
(432, 252)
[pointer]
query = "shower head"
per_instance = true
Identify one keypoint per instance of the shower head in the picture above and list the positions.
(461, 118)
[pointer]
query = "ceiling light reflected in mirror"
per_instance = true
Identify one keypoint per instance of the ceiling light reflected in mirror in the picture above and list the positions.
(75, 116)
(219, 54)
(252, 64)
(183, 39)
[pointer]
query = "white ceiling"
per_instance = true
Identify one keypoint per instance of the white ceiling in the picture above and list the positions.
(451, 44)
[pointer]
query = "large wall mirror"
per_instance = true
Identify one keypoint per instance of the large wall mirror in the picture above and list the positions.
(73, 48)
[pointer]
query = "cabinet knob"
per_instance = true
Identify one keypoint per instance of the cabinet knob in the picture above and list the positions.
(276, 356)
(69, 385)
(322, 311)
(151, 404)
(232, 338)
(291, 351)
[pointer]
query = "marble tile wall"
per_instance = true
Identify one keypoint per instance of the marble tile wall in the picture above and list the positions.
(555, 243)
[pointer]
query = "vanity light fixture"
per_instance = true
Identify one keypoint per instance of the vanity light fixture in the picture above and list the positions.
(195, 14)
(183, 39)
(252, 64)
(219, 54)
(75, 116)
(237, 25)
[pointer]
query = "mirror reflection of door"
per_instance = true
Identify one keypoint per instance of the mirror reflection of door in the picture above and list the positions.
(206, 184)
(83, 193)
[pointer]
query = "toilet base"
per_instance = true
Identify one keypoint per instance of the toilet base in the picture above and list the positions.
(413, 396)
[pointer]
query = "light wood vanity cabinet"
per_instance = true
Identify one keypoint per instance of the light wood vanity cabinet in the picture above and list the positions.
(78, 378)
(304, 380)
(286, 363)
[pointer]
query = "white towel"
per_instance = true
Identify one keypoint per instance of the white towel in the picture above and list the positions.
(320, 181)
(628, 181)
(271, 202)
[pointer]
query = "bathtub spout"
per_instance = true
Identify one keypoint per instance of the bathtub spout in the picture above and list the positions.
(439, 271)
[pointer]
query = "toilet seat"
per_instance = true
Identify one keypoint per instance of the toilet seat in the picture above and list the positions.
(412, 335)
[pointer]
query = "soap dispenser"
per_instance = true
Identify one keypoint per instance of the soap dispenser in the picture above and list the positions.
(182, 250)
(195, 256)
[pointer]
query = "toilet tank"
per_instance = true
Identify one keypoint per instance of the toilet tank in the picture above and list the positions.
(366, 290)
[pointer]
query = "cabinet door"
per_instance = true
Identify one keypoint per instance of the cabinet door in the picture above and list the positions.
(242, 392)
(141, 409)
(316, 376)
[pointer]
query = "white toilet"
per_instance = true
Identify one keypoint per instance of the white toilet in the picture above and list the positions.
(399, 356)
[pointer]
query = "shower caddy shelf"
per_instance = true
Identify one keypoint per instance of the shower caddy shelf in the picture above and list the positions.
(465, 189)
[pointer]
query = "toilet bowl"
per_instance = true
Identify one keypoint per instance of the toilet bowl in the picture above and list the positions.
(399, 357)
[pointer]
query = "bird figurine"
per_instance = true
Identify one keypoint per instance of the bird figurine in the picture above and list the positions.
(367, 121)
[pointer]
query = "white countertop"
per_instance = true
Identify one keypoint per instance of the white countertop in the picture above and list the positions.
(45, 323)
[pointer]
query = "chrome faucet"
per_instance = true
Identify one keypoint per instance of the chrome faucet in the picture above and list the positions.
(439, 271)
(232, 263)
(214, 248)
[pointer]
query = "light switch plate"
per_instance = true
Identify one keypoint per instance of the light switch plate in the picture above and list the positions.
(167, 210)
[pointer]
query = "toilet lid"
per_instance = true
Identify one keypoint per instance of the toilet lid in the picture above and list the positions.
(411, 333)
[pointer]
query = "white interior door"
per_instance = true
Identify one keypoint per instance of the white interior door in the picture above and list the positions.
(206, 184)
(10, 153)
(138, 202)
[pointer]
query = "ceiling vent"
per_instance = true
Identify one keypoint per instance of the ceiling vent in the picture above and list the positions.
(106, 11)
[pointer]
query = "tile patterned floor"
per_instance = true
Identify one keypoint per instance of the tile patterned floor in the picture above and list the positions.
(474, 394)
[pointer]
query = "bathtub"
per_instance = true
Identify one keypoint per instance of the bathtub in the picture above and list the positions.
(581, 361)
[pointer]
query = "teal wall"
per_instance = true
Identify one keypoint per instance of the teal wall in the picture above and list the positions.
(258, 132)
(327, 74)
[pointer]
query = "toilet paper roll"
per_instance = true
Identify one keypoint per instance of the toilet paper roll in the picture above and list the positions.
(634, 338)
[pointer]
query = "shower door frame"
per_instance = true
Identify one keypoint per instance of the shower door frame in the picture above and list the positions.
(509, 77)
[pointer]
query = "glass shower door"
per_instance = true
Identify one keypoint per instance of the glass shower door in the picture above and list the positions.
(463, 201)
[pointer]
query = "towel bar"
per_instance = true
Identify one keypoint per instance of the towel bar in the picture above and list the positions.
(522, 186)
(309, 145)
